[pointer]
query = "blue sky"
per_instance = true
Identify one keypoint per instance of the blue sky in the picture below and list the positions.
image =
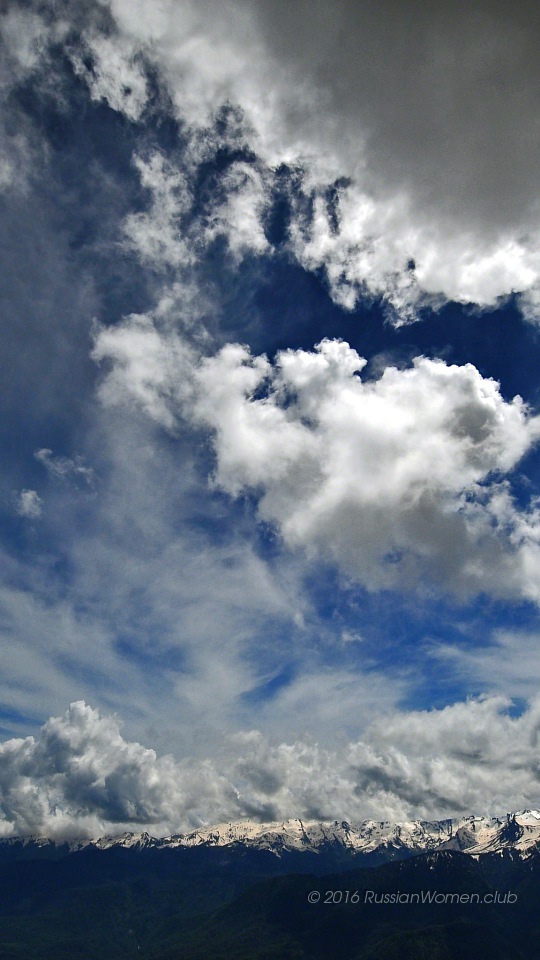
(270, 413)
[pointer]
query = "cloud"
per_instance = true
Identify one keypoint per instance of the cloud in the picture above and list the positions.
(115, 73)
(157, 234)
(159, 591)
(240, 217)
(397, 480)
(81, 777)
(64, 468)
(400, 480)
(145, 367)
(468, 756)
(508, 662)
(424, 140)
(25, 35)
(424, 119)
(29, 504)
(163, 606)
(23, 39)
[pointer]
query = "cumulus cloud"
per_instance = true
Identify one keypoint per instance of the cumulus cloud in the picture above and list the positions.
(428, 133)
(398, 480)
(424, 118)
(81, 777)
(471, 756)
(29, 504)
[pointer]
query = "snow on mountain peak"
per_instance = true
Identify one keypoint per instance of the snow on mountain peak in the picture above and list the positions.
(518, 831)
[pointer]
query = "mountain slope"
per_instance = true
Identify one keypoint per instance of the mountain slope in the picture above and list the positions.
(377, 840)
(162, 902)
(274, 918)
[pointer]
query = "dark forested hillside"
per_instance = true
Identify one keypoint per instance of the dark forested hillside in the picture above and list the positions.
(201, 904)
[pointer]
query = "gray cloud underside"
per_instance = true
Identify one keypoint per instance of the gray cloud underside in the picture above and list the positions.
(80, 777)
(428, 118)
(432, 113)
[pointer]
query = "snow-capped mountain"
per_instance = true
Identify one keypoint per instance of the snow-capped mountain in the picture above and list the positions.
(473, 835)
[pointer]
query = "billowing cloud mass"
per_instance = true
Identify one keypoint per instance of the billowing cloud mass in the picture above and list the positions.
(80, 777)
(425, 117)
(269, 539)
(397, 480)
(412, 135)
(394, 479)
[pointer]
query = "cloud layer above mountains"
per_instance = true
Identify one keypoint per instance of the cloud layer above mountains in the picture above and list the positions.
(80, 777)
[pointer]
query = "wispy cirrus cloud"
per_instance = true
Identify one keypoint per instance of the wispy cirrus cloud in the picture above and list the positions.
(65, 468)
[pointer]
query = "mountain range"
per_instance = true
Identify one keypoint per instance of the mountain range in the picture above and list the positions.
(382, 840)
(245, 891)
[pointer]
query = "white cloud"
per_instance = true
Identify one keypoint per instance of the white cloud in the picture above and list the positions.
(508, 661)
(29, 504)
(163, 607)
(116, 74)
(239, 218)
(469, 756)
(148, 369)
(378, 242)
(80, 777)
(63, 468)
(169, 235)
(435, 145)
(17, 155)
(429, 116)
(157, 234)
(399, 480)
(25, 35)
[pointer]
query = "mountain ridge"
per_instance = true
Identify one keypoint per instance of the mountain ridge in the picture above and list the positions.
(518, 831)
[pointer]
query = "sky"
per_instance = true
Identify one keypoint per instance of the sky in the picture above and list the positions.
(270, 412)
